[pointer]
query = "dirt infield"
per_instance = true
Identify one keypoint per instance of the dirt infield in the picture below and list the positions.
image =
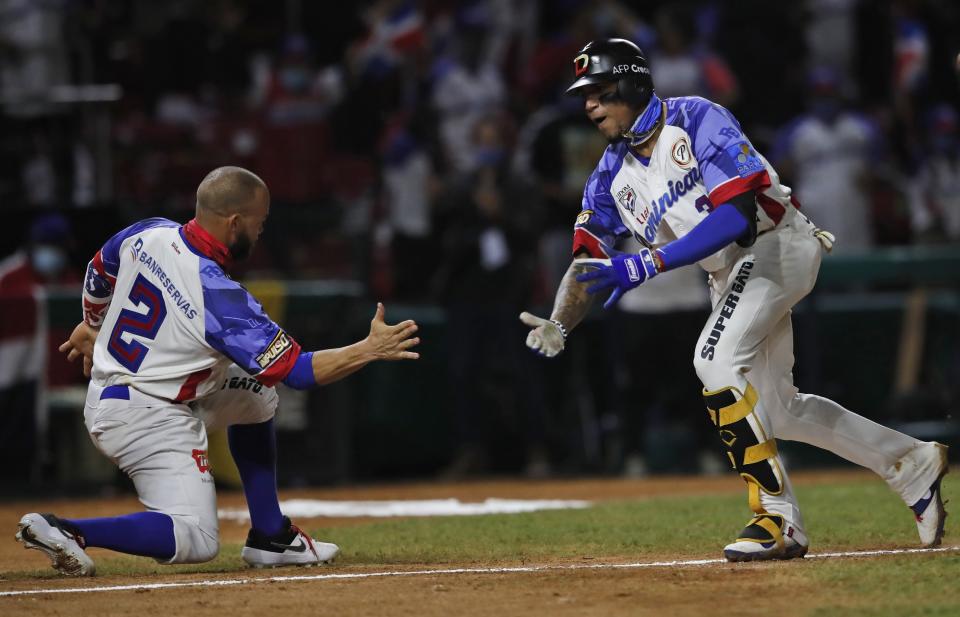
(661, 591)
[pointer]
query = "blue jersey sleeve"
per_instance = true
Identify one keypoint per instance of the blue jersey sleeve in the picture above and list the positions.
(729, 164)
(237, 326)
(599, 221)
(720, 228)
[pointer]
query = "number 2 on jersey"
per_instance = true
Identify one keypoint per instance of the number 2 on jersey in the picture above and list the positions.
(145, 325)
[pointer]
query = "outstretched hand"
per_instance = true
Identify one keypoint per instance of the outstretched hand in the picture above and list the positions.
(80, 344)
(392, 342)
(546, 338)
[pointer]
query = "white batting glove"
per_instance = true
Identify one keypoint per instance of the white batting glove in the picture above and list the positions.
(547, 338)
(825, 237)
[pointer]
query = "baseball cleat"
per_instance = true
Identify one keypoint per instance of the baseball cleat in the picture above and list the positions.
(290, 547)
(58, 540)
(929, 510)
(767, 536)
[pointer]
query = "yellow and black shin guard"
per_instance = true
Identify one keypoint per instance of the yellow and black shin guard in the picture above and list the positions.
(751, 453)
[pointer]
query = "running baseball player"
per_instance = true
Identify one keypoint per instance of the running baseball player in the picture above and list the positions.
(682, 178)
(183, 348)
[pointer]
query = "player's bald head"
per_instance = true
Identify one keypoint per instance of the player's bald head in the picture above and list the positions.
(229, 190)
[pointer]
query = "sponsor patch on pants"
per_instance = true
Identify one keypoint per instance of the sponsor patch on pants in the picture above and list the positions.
(200, 457)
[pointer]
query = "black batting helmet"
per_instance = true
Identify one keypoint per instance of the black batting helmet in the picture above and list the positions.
(616, 60)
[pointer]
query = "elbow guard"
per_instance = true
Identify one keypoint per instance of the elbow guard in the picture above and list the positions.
(746, 203)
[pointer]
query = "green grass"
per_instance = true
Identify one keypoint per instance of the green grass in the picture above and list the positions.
(838, 517)
(888, 587)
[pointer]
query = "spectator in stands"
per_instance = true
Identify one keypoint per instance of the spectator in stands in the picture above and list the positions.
(651, 430)
(43, 260)
(911, 68)
(827, 156)
(557, 151)
(935, 198)
(26, 343)
(684, 69)
(830, 33)
(487, 265)
(33, 56)
(294, 132)
(408, 187)
(467, 87)
(38, 175)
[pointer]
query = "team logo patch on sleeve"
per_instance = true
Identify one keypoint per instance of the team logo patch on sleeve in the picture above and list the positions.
(584, 217)
(277, 347)
(745, 158)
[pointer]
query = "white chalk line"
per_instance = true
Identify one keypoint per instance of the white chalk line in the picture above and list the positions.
(503, 570)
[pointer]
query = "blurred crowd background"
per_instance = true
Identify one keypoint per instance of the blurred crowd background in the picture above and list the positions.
(423, 153)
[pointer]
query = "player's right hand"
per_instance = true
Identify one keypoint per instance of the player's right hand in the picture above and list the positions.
(80, 344)
(827, 239)
(392, 342)
(546, 338)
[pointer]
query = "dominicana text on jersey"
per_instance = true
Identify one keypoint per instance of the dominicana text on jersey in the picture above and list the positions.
(701, 160)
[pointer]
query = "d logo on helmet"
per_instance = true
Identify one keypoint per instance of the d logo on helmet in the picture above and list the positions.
(580, 64)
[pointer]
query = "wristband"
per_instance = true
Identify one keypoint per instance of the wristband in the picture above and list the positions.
(658, 261)
(563, 331)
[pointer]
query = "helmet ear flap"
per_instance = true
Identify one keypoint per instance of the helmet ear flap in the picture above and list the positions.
(633, 91)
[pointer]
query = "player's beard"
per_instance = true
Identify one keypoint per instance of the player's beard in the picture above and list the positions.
(241, 248)
(618, 133)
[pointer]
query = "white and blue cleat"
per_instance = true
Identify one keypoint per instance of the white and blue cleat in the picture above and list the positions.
(64, 546)
(929, 510)
(767, 537)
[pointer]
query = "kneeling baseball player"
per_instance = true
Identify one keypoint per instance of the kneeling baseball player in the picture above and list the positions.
(177, 347)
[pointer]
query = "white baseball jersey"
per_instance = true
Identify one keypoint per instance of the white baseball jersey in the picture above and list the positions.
(701, 159)
(171, 320)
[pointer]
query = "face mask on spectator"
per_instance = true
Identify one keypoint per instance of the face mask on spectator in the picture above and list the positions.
(294, 79)
(827, 109)
(48, 260)
(490, 156)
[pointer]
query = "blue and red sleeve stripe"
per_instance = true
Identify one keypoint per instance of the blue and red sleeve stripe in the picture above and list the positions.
(281, 367)
(722, 193)
(584, 240)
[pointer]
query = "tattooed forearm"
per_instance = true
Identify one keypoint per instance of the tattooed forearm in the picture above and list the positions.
(572, 301)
